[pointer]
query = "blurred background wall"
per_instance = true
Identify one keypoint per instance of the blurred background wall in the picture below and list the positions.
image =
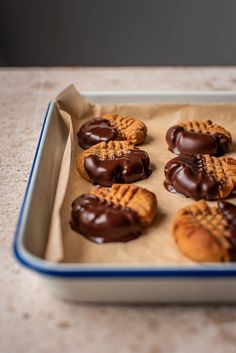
(116, 33)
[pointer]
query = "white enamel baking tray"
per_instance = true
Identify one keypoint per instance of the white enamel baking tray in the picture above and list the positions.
(109, 283)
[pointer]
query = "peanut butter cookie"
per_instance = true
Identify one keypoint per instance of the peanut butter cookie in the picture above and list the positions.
(201, 176)
(112, 162)
(207, 234)
(198, 137)
(111, 127)
(113, 214)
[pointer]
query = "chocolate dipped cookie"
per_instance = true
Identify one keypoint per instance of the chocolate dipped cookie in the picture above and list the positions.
(201, 176)
(114, 162)
(116, 214)
(198, 137)
(111, 127)
(207, 234)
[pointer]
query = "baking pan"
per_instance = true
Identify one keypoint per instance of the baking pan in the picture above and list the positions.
(109, 283)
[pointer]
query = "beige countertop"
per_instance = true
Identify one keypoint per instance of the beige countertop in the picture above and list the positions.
(30, 319)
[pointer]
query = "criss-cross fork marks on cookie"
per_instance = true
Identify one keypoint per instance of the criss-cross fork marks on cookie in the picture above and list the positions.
(129, 128)
(206, 234)
(112, 162)
(201, 176)
(205, 127)
(113, 149)
(224, 172)
(200, 214)
(139, 199)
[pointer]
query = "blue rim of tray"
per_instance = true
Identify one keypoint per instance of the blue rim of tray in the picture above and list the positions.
(108, 271)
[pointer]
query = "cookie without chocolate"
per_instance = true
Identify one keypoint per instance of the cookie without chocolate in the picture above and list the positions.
(206, 234)
(198, 137)
(112, 162)
(113, 214)
(201, 176)
(111, 127)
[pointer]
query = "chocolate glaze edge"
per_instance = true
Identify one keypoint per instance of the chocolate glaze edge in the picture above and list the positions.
(180, 141)
(228, 211)
(133, 166)
(103, 222)
(96, 130)
(186, 175)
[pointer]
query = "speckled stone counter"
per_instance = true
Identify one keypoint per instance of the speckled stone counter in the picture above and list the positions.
(30, 319)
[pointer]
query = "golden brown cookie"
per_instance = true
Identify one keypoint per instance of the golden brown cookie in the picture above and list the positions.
(129, 128)
(138, 199)
(201, 176)
(204, 127)
(198, 137)
(223, 170)
(111, 127)
(113, 214)
(112, 162)
(206, 234)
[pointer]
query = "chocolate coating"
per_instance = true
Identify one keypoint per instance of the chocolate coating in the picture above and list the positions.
(186, 175)
(103, 222)
(133, 166)
(94, 131)
(187, 142)
(228, 210)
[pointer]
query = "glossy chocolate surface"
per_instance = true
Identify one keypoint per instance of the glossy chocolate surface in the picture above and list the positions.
(133, 166)
(228, 210)
(186, 175)
(94, 131)
(103, 222)
(182, 141)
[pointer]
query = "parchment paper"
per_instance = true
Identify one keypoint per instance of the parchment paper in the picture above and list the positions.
(156, 245)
